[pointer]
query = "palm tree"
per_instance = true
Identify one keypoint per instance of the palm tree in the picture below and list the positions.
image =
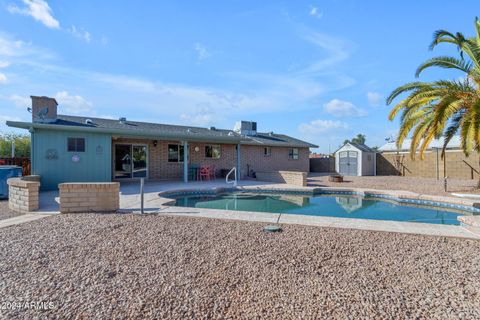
(443, 107)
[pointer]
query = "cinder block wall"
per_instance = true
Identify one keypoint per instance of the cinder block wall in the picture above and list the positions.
(23, 193)
(253, 157)
(322, 164)
(88, 197)
(402, 164)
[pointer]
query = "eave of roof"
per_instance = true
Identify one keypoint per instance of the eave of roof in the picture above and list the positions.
(128, 133)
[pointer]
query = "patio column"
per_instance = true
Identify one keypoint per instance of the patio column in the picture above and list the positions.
(238, 162)
(185, 161)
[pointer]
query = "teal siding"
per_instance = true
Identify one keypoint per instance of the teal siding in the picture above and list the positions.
(52, 161)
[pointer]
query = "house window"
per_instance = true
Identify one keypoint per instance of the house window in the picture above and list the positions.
(293, 153)
(76, 144)
(175, 153)
(267, 152)
(213, 151)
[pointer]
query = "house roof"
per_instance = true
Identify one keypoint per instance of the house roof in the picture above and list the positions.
(454, 143)
(162, 131)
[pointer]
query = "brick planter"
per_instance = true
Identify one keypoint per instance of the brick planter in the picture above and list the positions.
(295, 178)
(23, 193)
(89, 197)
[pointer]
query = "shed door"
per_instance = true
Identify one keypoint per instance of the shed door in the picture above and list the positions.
(348, 163)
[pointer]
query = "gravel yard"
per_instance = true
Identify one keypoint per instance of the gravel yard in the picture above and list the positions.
(6, 213)
(419, 185)
(131, 266)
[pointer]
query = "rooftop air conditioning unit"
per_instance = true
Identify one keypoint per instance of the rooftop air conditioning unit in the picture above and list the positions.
(246, 128)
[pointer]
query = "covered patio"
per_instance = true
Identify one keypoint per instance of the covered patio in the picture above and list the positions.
(184, 160)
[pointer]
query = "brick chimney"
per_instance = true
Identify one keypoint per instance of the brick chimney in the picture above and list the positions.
(44, 109)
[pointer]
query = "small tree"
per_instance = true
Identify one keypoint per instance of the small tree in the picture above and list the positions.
(358, 139)
(22, 145)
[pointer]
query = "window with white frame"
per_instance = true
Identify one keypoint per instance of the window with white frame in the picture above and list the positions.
(293, 153)
(175, 153)
(267, 151)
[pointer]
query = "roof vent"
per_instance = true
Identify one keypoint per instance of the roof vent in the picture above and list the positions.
(122, 120)
(88, 121)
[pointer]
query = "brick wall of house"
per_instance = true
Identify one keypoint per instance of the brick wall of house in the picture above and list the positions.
(402, 164)
(160, 168)
(253, 157)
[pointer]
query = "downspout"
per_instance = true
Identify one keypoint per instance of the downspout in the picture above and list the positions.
(375, 163)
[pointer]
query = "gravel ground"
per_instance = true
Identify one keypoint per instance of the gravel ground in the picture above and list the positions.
(419, 185)
(6, 213)
(131, 266)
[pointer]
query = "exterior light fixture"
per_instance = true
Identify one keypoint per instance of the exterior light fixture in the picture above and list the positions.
(154, 143)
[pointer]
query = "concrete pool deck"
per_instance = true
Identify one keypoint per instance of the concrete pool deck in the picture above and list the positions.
(155, 203)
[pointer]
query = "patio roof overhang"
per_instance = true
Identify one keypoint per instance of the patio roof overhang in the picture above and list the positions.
(129, 133)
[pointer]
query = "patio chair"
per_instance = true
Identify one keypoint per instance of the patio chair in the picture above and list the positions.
(194, 172)
(205, 173)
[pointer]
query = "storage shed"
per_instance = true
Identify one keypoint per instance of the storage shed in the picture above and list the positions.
(354, 159)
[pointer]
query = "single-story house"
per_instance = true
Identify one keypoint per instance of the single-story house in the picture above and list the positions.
(353, 159)
(86, 149)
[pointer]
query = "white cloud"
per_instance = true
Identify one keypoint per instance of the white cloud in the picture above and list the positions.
(202, 52)
(339, 108)
(322, 126)
(80, 33)
(74, 104)
(38, 10)
(374, 98)
(20, 101)
(315, 13)
(3, 78)
(4, 64)
(202, 117)
(4, 118)
(336, 49)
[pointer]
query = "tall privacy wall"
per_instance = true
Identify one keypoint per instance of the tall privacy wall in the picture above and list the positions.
(458, 166)
(23, 193)
(295, 178)
(89, 197)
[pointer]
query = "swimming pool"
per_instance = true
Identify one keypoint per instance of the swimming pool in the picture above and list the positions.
(331, 205)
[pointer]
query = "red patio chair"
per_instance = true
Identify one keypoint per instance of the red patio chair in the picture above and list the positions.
(205, 173)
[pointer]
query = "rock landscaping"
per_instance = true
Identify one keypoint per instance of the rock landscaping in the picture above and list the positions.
(153, 266)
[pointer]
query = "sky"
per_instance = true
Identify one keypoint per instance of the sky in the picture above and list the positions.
(315, 70)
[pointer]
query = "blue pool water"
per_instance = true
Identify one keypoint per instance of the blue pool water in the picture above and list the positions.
(344, 206)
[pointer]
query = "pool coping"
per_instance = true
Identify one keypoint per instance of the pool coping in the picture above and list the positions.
(469, 228)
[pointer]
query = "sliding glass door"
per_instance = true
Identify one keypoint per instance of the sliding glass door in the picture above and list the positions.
(130, 161)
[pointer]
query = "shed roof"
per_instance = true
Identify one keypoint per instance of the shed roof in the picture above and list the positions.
(359, 146)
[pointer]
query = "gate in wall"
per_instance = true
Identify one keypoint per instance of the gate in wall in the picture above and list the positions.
(348, 163)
